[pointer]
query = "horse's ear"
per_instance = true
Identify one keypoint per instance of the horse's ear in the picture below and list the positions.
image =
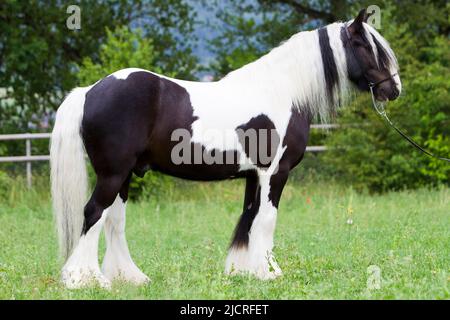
(357, 24)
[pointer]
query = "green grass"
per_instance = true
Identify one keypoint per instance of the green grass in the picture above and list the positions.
(180, 240)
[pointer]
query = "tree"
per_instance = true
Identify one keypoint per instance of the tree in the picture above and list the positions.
(306, 11)
(39, 54)
(38, 51)
(170, 24)
(123, 48)
(248, 29)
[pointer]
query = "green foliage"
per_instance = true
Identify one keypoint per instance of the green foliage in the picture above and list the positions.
(14, 190)
(153, 184)
(5, 182)
(39, 54)
(170, 24)
(123, 48)
(247, 31)
(37, 51)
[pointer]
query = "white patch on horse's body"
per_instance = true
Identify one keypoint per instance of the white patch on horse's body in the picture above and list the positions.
(118, 263)
(82, 268)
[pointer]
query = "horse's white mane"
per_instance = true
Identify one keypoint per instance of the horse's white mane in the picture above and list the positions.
(390, 53)
(296, 69)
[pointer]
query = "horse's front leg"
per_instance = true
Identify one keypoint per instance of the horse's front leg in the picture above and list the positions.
(251, 249)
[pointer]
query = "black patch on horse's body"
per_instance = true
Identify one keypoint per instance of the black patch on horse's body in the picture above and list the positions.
(329, 64)
(255, 135)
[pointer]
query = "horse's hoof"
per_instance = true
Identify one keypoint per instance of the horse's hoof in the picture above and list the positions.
(82, 278)
(136, 276)
(136, 279)
(140, 280)
(271, 275)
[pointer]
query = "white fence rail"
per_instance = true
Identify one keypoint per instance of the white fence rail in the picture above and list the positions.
(29, 158)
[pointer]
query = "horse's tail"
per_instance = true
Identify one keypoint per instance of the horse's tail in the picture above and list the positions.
(68, 171)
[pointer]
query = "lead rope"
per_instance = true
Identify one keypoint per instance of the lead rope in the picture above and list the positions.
(379, 108)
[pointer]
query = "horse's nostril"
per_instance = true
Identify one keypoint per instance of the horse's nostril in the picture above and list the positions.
(395, 94)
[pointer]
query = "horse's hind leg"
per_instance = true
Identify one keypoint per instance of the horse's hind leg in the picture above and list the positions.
(82, 267)
(118, 263)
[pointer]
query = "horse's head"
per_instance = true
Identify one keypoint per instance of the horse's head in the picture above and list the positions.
(370, 60)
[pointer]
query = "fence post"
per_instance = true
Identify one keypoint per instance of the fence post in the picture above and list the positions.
(28, 153)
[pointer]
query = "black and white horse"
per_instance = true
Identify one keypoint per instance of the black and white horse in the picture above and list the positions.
(126, 124)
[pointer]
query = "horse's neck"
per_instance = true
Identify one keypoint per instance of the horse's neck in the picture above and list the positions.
(295, 70)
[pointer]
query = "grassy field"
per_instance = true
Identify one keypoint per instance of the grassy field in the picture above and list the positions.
(327, 236)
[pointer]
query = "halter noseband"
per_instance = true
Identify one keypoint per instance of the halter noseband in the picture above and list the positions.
(370, 83)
